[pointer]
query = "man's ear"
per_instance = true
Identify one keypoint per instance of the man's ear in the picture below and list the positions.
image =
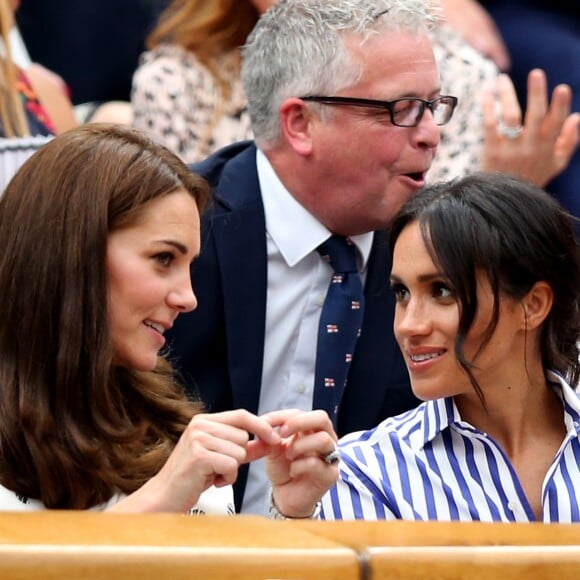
(296, 121)
(537, 304)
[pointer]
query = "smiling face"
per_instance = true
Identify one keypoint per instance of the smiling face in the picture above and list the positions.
(149, 281)
(427, 319)
(367, 166)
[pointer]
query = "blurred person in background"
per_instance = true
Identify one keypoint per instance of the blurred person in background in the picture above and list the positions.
(187, 91)
(33, 100)
(522, 35)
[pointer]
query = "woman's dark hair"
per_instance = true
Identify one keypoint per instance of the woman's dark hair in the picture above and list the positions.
(514, 233)
(74, 429)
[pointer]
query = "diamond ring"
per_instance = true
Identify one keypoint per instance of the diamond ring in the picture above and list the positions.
(509, 132)
(332, 457)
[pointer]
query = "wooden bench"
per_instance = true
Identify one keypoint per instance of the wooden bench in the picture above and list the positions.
(453, 550)
(51, 545)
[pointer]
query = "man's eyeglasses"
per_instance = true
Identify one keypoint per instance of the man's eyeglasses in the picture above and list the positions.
(404, 112)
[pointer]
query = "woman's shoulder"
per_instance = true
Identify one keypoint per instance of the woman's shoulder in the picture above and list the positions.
(171, 68)
(12, 502)
(213, 501)
(397, 427)
(46, 99)
(173, 56)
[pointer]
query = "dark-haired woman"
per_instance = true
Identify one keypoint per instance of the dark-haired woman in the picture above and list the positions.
(486, 273)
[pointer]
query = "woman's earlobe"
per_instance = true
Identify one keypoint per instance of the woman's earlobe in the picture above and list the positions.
(537, 304)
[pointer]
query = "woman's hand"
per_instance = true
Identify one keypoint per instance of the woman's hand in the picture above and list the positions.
(295, 466)
(547, 140)
(209, 452)
(213, 446)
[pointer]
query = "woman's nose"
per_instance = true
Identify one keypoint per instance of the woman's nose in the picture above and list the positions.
(183, 297)
(412, 319)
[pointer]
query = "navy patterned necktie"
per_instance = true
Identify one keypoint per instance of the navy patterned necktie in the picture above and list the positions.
(340, 324)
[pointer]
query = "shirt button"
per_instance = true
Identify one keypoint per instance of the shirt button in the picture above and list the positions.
(512, 506)
(320, 300)
(300, 388)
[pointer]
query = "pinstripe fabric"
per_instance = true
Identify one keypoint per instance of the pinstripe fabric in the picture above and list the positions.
(427, 464)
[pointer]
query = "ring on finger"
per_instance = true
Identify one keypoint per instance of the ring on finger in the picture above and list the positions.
(332, 457)
(509, 132)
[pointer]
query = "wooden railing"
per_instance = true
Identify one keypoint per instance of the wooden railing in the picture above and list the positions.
(50, 545)
(94, 545)
(454, 551)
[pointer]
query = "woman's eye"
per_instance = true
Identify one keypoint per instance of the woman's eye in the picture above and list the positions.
(401, 293)
(164, 258)
(442, 290)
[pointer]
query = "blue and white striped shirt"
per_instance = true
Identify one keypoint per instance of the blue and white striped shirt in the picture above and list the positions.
(428, 464)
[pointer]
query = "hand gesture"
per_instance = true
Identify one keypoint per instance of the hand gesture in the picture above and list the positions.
(541, 148)
(209, 452)
(296, 467)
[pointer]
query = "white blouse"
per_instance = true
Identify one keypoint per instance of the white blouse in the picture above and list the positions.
(213, 501)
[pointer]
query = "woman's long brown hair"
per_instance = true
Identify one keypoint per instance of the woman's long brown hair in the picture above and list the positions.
(74, 429)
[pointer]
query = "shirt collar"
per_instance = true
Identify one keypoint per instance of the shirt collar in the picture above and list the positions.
(438, 414)
(570, 400)
(283, 212)
(441, 413)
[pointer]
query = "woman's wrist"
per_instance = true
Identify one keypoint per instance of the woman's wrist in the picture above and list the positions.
(276, 514)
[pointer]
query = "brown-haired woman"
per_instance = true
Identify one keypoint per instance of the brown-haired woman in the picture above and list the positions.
(98, 230)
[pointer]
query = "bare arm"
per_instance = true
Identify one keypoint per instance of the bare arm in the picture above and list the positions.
(51, 92)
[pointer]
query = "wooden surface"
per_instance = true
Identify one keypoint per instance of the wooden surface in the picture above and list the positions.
(474, 562)
(51, 545)
(361, 534)
(87, 545)
(457, 551)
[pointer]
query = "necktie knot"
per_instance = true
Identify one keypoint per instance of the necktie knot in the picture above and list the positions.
(340, 253)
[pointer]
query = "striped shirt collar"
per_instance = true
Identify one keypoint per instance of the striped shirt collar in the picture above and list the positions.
(439, 414)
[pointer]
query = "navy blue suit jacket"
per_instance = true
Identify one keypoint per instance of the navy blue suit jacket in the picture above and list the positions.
(219, 347)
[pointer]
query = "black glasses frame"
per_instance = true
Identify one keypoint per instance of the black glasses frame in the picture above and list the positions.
(389, 105)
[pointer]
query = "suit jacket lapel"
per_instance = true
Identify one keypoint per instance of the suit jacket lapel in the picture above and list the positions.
(241, 248)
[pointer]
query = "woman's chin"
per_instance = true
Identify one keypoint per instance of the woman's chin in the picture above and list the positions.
(140, 363)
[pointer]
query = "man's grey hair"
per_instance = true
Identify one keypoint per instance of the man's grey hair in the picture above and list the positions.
(298, 48)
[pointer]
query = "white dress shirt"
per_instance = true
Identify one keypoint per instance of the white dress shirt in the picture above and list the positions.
(298, 280)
